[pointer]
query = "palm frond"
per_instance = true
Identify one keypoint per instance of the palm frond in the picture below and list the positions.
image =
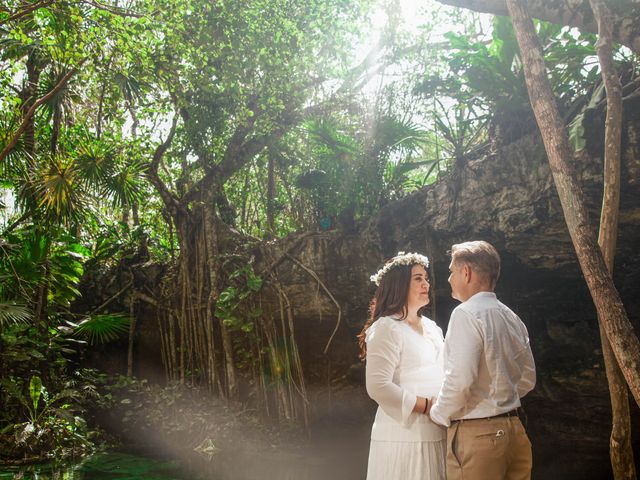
(126, 186)
(95, 161)
(103, 328)
(326, 132)
(58, 190)
(61, 100)
(11, 312)
(401, 169)
(13, 164)
(131, 88)
(395, 134)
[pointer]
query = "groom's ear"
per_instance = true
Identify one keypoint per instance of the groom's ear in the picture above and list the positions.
(466, 270)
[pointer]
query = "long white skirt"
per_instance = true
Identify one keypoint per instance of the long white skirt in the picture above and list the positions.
(407, 460)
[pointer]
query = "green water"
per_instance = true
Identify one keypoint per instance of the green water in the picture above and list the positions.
(101, 466)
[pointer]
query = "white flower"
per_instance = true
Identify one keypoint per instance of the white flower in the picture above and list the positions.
(401, 259)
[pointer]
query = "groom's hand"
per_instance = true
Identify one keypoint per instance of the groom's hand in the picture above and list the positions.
(430, 403)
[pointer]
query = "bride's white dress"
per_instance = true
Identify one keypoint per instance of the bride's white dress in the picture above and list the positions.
(402, 364)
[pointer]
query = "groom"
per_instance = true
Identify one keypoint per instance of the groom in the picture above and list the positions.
(488, 368)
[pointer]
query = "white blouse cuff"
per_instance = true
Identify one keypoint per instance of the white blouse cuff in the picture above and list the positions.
(408, 402)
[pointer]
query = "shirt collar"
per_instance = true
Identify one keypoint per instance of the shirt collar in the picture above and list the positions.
(481, 295)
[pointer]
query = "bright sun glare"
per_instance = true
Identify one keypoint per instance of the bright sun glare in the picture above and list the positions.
(412, 13)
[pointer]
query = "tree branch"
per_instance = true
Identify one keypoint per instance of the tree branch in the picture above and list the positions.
(113, 10)
(236, 156)
(168, 198)
(25, 121)
(329, 294)
(574, 13)
(112, 298)
(11, 227)
(620, 446)
(21, 13)
(269, 268)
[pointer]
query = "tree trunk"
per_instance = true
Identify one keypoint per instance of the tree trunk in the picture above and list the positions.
(607, 301)
(28, 97)
(132, 332)
(55, 130)
(213, 270)
(197, 285)
(26, 126)
(42, 294)
(620, 448)
(230, 369)
(134, 212)
(271, 193)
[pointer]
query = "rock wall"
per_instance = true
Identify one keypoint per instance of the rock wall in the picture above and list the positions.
(508, 198)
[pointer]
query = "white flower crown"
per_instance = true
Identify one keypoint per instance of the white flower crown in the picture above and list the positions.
(401, 259)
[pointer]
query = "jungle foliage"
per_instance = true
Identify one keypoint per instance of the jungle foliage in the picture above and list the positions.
(183, 133)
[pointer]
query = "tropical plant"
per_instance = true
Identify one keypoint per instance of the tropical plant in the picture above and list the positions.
(244, 283)
(176, 131)
(103, 328)
(11, 312)
(52, 428)
(31, 259)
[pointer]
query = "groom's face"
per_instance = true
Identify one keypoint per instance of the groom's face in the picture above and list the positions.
(456, 280)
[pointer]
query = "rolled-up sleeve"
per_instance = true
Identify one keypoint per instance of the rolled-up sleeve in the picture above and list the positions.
(527, 380)
(463, 348)
(384, 346)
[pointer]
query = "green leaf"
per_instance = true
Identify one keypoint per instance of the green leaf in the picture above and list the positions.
(576, 133)
(11, 312)
(228, 294)
(35, 354)
(103, 328)
(35, 391)
(9, 339)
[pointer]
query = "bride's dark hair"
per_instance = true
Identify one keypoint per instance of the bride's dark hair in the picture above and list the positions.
(390, 299)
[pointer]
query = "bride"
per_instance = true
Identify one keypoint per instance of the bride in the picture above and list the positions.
(403, 352)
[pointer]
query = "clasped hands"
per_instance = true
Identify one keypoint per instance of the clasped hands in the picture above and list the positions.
(423, 405)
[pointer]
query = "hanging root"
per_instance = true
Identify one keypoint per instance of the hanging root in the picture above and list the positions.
(329, 294)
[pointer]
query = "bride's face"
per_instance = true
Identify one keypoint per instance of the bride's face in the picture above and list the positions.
(418, 288)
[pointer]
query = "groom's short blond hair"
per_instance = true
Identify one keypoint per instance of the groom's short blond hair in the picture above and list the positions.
(481, 256)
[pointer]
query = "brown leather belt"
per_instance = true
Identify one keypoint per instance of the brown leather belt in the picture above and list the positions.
(511, 413)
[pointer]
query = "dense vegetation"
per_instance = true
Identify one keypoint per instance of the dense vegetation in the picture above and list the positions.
(183, 132)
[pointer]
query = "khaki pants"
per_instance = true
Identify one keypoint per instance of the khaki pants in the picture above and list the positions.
(488, 449)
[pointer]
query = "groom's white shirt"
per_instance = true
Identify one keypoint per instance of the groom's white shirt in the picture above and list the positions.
(487, 361)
